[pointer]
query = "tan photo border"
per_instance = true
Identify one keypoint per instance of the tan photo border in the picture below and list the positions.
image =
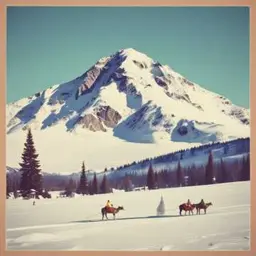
(3, 20)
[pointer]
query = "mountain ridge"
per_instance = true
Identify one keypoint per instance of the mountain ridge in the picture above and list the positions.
(130, 98)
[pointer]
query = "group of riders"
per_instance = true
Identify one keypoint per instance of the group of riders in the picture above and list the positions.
(188, 204)
(109, 205)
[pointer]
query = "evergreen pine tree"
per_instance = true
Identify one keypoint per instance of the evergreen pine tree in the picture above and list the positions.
(151, 178)
(180, 177)
(209, 170)
(104, 188)
(95, 184)
(90, 190)
(83, 184)
(223, 172)
(248, 169)
(192, 175)
(161, 180)
(31, 177)
(8, 189)
(156, 180)
(245, 172)
(166, 179)
(127, 183)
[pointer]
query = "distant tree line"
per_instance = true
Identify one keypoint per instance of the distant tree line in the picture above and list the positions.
(30, 181)
(211, 173)
(242, 145)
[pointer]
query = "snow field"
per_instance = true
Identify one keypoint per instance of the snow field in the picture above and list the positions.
(75, 223)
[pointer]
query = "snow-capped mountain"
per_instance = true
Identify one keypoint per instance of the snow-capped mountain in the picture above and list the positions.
(127, 97)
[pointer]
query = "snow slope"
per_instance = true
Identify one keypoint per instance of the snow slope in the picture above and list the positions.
(62, 152)
(74, 224)
(127, 102)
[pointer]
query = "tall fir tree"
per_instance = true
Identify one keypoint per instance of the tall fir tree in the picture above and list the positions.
(180, 176)
(104, 188)
(151, 178)
(248, 168)
(31, 177)
(166, 179)
(83, 184)
(209, 170)
(223, 172)
(95, 184)
(160, 180)
(245, 172)
(156, 180)
(8, 185)
(192, 175)
(90, 188)
(127, 183)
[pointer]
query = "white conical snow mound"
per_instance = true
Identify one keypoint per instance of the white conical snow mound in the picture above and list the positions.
(160, 210)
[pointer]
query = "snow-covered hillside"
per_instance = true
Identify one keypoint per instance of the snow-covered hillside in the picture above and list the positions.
(229, 152)
(75, 224)
(124, 108)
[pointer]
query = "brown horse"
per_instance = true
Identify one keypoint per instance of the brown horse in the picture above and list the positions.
(187, 208)
(202, 206)
(112, 210)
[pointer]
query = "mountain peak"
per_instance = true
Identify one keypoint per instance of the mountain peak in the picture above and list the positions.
(129, 51)
(114, 95)
(134, 54)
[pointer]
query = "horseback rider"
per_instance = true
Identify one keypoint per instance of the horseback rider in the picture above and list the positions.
(108, 204)
(202, 202)
(188, 203)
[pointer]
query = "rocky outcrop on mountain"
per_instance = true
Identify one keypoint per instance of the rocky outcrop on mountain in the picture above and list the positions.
(108, 116)
(91, 122)
(239, 114)
(90, 78)
(105, 117)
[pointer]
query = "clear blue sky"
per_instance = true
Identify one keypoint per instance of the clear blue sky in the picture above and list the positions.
(51, 45)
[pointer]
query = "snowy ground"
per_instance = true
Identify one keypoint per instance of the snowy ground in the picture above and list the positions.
(75, 224)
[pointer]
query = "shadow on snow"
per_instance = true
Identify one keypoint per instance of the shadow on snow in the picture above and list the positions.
(130, 218)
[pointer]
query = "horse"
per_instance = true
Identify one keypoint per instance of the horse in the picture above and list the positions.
(185, 207)
(112, 210)
(202, 206)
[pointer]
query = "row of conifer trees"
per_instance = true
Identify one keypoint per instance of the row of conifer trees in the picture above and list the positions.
(32, 179)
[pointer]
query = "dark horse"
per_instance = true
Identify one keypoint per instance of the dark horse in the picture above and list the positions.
(202, 206)
(112, 210)
(187, 208)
